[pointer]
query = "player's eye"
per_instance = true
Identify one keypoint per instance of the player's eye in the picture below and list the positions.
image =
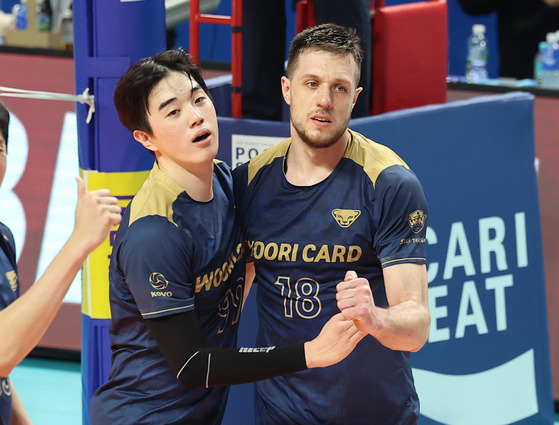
(200, 99)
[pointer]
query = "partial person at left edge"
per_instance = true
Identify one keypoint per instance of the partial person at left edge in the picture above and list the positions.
(24, 319)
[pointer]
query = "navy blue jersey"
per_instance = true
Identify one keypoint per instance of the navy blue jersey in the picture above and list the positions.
(368, 214)
(171, 255)
(9, 292)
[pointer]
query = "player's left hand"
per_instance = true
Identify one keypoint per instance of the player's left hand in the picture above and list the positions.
(336, 341)
(356, 302)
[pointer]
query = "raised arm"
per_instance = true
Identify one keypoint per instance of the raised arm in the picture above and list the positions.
(404, 325)
(24, 322)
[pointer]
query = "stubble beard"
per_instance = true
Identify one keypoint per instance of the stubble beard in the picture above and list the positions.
(317, 142)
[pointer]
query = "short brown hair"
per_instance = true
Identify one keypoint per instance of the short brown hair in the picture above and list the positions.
(326, 37)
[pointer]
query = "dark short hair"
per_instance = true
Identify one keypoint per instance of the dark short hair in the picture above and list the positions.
(4, 122)
(133, 90)
(331, 38)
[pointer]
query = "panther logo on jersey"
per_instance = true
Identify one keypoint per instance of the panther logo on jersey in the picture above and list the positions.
(417, 220)
(158, 281)
(345, 218)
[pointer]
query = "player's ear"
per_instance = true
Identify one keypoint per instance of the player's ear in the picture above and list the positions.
(286, 89)
(356, 95)
(144, 138)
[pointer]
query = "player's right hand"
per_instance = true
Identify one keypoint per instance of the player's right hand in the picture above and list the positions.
(97, 212)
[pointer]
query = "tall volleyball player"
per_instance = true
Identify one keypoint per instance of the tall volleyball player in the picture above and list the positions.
(335, 201)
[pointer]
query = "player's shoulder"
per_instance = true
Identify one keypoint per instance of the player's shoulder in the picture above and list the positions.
(251, 168)
(366, 152)
(375, 158)
(245, 172)
(156, 197)
(221, 167)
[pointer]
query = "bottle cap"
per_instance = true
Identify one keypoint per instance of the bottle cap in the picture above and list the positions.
(478, 28)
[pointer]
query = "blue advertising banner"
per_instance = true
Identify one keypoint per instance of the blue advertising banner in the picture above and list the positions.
(487, 358)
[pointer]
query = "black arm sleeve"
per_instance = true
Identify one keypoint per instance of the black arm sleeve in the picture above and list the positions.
(179, 339)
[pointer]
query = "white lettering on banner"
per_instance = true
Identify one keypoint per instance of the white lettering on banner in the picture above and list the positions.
(60, 215)
(458, 253)
(498, 284)
(521, 243)
(492, 233)
(472, 307)
(245, 147)
(470, 301)
(470, 312)
(61, 208)
(488, 244)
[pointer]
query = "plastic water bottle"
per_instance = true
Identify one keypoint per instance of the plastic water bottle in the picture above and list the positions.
(550, 62)
(476, 64)
(21, 14)
(67, 29)
(538, 64)
(44, 15)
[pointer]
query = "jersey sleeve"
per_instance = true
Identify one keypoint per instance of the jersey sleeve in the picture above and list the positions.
(155, 263)
(402, 211)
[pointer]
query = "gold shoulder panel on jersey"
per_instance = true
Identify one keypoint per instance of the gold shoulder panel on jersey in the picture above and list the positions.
(266, 157)
(372, 156)
(155, 197)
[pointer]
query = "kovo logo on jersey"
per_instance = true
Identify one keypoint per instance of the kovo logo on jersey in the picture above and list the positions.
(245, 147)
(477, 271)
